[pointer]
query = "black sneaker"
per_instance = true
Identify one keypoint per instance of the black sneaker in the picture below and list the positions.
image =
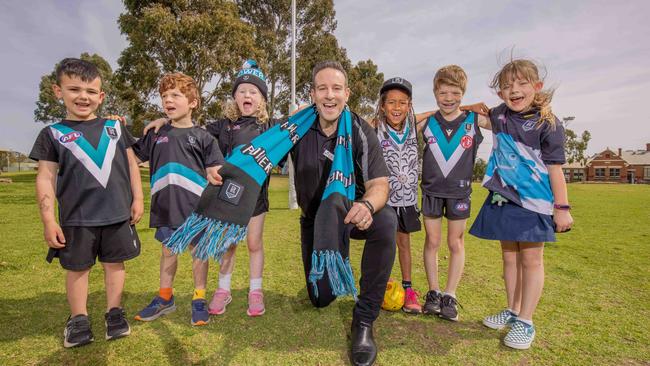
(116, 324)
(449, 308)
(432, 303)
(77, 331)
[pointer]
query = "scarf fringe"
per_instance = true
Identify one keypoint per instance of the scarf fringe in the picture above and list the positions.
(216, 238)
(338, 269)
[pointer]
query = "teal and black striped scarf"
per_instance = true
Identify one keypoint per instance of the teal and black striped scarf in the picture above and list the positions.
(221, 217)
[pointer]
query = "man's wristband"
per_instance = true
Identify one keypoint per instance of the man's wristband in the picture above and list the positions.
(368, 205)
(558, 206)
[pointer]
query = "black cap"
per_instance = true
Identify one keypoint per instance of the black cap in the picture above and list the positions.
(250, 73)
(397, 83)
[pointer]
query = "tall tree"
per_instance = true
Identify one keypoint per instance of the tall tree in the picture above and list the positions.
(479, 170)
(50, 110)
(365, 82)
(315, 42)
(204, 39)
(576, 147)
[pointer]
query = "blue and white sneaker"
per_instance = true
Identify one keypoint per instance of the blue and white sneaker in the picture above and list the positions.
(500, 320)
(520, 336)
(156, 309)
(200, 315)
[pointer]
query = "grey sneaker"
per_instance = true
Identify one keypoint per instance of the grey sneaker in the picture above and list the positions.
(520, 336)
(449, 308)
(77, 331)
(116, 324)
(500, 320)
(432, 303)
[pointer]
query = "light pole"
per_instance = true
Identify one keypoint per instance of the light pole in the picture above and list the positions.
(293, 201)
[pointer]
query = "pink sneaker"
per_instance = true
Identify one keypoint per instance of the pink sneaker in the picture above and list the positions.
(219, 301)
(411, 304)
(255, 303)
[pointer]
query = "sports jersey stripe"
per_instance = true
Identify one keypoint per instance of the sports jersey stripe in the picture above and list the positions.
(448, 153)
(98, 161)
(180, 175)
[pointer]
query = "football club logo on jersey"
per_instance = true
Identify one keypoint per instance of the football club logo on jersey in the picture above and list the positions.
(70, 137)
(111, 132)
(191, 139)
(529, 125)
(385, 143)
(466, 142)
(468, 127)
(431, 140)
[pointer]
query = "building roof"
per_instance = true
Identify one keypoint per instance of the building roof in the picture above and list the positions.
(574, 165)
(636, 157)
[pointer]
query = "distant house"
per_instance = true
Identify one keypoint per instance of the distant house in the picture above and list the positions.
(13, 161)
(629, 166)
(574, 172)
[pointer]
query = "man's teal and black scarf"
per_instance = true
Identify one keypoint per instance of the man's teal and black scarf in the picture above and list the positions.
(221, 218)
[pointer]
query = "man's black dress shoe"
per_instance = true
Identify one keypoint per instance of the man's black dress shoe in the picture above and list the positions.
(364, 349)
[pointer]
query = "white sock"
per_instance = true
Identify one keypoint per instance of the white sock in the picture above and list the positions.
(512, 312)
(255, 284)
(450, 294)
(224, 281)
(525, 321)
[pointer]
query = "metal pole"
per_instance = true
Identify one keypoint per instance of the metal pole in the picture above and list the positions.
(293, 201)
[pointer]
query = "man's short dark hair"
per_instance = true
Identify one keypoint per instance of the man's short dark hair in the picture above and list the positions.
(85, 70)
(327, 65)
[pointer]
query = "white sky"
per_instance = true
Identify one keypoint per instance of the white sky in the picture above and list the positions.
(597, 53)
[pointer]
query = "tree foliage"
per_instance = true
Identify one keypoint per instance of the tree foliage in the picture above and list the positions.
(204, 39)
(479, 170)
(576, 147)
(49, 109)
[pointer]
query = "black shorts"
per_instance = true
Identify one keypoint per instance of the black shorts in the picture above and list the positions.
(114, 243)
(262, 204)
(451, 208)
(408, 219)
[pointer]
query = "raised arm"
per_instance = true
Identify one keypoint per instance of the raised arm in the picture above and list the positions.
(156, 125)
(45, 187)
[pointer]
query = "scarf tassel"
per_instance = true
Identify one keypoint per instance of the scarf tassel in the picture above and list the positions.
(215, 240)
(339, 272)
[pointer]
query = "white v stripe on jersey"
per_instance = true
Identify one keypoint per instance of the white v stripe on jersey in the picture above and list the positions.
(179, 180)
(103, 172)
(445, 165)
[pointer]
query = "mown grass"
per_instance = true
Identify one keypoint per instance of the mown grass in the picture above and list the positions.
(594, 310)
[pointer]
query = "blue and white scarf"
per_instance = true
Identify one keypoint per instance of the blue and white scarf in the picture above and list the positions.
(221, 218)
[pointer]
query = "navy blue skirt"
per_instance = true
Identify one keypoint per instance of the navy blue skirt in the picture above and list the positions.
(512, 223)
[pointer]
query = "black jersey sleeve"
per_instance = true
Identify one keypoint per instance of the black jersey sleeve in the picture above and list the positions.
(372, 161)
(127, 137)
(214, 128)
(44, 148)
(142, 148)
(552, 143)
(211, 152)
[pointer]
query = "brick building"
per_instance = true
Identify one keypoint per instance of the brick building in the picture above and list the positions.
(621, 166)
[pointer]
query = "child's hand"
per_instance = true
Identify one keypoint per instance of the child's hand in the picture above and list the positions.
(115, 117)
(562, 220)
(54, 235)
(213, 175)
(479, 108)
(156, 125)
(137, 209)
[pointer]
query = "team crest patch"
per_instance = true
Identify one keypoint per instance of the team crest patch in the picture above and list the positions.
(70, 137)
(191, 140)
(111, 132)
(502, 118)
(461, 206)
(385, 143)
(468, 127)
(431, 140)
(466, 142)
(231, 192)
(161, 139)
(529, 125)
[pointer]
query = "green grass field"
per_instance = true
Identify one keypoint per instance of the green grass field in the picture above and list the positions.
(595, 308)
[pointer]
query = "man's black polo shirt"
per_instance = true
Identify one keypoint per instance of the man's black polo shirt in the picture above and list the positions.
(312, 162)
